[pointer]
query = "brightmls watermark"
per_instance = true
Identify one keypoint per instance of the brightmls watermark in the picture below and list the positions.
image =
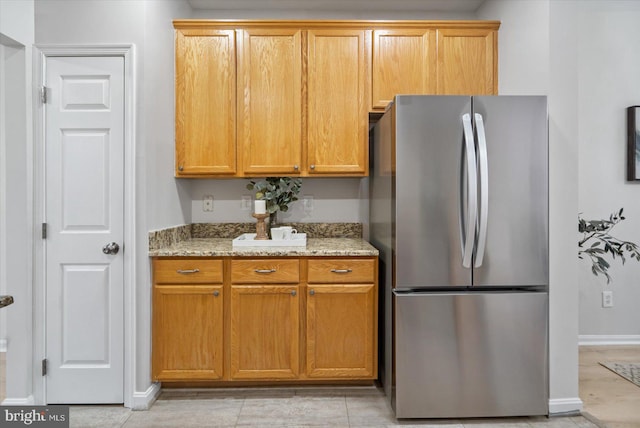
(34, 416)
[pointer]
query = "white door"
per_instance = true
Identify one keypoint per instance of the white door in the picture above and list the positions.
(84, 145)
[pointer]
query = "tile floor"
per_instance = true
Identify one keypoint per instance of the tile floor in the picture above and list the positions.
(609, 401)
(274, 408)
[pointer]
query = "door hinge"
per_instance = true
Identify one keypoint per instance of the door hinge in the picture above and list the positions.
(44, 230)
(44, 367)
(43, 94)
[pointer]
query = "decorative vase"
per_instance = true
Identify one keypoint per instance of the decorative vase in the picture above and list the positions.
(273, 219)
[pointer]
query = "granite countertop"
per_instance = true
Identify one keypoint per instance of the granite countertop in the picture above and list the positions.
(221, 247)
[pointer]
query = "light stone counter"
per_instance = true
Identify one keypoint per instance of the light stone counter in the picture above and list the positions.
(222, 247)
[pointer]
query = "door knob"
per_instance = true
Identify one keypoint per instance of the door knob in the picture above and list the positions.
(111, 248)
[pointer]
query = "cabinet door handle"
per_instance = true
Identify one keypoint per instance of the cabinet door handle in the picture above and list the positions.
(180, 168)
(312, 292)
(313, 166)
(293, 292)
(295, 167)
(187, 271)
(341, 270)
(216, 293)
(264, 270)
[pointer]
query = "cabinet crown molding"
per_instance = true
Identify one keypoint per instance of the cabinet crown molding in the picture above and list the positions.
(361, 24)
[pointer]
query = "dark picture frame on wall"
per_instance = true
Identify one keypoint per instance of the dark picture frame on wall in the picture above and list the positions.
(633, 143)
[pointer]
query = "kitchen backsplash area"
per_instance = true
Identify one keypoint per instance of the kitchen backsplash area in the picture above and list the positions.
(333, 200)
(167, 237)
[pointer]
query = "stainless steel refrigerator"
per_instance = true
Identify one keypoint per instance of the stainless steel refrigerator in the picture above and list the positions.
(459, 212)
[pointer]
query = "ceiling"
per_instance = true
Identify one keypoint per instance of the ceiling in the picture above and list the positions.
(338, 5)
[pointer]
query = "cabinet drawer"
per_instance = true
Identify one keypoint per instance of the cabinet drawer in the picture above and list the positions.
(331, 271)
(187, 271)
(265, 271)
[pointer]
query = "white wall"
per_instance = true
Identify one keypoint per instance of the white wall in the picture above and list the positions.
(312, 9)
(161, 201)
(16, 138)
(16, 20)
(537, 56)
(563, 172)
(523, 45)
(589, 52)
(168, 203)
(334, 200)
(542, 43)
(608, 83)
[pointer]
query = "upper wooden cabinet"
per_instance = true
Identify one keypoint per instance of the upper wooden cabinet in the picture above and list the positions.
(467, 62)
(205, 102)
(291, 98)
(270, 101)
(337, 100)
(439, 58)
(403, 63)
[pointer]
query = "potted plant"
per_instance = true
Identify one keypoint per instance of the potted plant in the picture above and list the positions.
(597, 241)
(278, 192)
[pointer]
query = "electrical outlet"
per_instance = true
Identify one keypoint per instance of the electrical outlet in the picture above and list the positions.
(307, 203)
(207, 203)
(607, 299)
(245, 203)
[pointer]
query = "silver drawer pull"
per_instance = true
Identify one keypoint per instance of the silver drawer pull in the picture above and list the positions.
(293, 292)
(341, 270)
(264, 270)
(188, 271)
(312, 292)
(216, 293)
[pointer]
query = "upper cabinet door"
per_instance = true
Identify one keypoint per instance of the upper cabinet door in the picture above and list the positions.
(270, 105)
(467, 63)
(403, 63)
(338, 101)
(205, 102)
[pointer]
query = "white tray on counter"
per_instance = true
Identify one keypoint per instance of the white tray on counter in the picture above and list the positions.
(247, 240)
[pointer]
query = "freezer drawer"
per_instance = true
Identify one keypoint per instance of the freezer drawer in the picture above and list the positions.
(470, 355)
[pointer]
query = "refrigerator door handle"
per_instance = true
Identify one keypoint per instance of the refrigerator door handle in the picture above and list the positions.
(483, 170)
(467, 226)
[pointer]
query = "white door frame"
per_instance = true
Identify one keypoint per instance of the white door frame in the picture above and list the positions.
(41, 54)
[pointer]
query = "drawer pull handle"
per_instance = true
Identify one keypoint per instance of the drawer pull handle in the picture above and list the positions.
(216, 293)
(312, 292)
(187, 271)
(264, 270)
(293, 292)
(341, 270)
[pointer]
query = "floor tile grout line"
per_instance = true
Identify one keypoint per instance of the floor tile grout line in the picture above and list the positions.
(346, 408)
(244, 400)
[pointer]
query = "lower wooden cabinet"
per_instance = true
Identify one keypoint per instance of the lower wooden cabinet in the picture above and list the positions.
(265, 319)
(187, 332)
(341, 318)
(341, 331)
(264, 332)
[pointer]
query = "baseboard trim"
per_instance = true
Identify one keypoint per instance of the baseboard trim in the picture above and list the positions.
(608, 339)
(3, 345)
(144, 400)
(27, 401)
(564, 406)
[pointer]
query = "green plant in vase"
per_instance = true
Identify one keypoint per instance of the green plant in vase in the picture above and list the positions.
(596, 242)
(278, 192)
